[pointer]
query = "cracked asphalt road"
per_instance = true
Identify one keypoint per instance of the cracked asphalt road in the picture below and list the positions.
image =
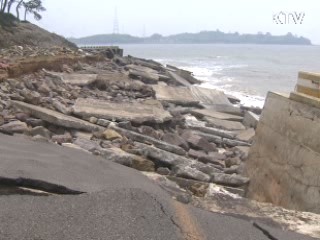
(118, 203)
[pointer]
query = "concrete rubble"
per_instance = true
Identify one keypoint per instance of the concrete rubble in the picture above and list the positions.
(192, 135)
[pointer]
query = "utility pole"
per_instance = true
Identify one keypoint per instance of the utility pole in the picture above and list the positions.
(115, 22)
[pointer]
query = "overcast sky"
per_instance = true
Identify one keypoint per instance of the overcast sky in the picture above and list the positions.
(79, 18)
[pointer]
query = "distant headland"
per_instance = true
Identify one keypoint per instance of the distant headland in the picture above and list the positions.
(204, 37)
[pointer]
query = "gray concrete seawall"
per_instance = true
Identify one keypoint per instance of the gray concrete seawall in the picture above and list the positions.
(284, 161)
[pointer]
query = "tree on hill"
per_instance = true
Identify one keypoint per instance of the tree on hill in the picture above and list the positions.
(30, 6)
(33, 7)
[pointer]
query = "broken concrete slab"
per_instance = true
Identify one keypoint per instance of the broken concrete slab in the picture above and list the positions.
(188, 172)
(246, 135)
(79, 79)
(210, 97)
(145, 77)
(140, 69)
(184, 74)
(56, 118)
(220, 140)
(250, 119)
(74, 78)
(229, 180)
(176, 95)
(214, 131)
(43, 164)
(193, 96)
(215, 114)
(178, 79)
(146, 139)
(160, 157)
(138, 112)
(224, 124)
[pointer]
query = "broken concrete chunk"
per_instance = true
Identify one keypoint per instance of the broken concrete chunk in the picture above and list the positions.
(41, 131)
(145, 77)
(229, 180)
(146, 139)
(110, 135)
(161, 157)
(247, 135)
(55, 118)
(200, 143)
(176, 95)
(139, 112)
(14, 127)
(77, 79)
(217, 115)
(176, 140)
(178, 80)
(190, 173)
(250, 119)
(61, 107)
(224, 124)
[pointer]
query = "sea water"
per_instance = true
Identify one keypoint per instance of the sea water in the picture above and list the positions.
(245, 71)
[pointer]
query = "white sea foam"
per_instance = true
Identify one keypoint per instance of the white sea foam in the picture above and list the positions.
(225, 83)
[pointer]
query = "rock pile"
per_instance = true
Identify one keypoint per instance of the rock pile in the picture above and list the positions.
(132, 111)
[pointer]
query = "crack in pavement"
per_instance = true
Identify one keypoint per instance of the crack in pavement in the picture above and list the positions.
(38, 185)
(264, 231)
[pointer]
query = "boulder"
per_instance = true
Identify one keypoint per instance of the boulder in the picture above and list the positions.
(176, 140)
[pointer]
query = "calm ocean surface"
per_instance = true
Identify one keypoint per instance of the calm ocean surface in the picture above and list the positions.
(246, 71)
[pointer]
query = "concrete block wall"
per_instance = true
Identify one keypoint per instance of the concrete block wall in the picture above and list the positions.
(284, 161)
